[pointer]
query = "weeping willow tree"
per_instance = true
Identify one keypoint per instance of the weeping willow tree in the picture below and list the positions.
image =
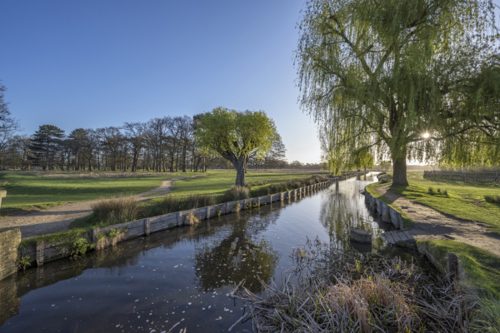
(377, 74)
(479, 146)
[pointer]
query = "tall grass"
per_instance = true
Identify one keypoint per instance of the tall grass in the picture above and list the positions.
(173, 204)
(115, 211)
(286, 186)
(236, 193)
(121, 210)
(334, 292)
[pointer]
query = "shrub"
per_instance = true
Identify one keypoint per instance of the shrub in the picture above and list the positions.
(236, 193)
(494, 199)
(80, 246)
(24, 262)
(115, 211)
(430, 190)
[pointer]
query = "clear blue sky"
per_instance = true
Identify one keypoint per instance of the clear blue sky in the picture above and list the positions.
(96, 63)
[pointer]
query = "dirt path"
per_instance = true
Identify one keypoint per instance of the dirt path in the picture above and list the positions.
(431, 224)
(59, 218)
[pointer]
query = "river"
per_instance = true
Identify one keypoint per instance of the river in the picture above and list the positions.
(181, 278)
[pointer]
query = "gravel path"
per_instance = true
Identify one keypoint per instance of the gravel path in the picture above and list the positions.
(59, 218)
(431, 224)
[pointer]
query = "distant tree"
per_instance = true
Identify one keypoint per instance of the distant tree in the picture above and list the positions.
(236, 136)
(363, 159)
(135, 134)
(275, 157)
(7, 124)
(80, 145)
(16, 153)
(45, 146)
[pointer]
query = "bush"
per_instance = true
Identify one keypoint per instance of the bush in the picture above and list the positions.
(236, 193)
(494, 199)
(79, 247)
(438, 191)
(115, 211)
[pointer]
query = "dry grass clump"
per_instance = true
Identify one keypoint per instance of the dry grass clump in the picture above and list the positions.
(115, 210)
(334, 292)
(369, 302)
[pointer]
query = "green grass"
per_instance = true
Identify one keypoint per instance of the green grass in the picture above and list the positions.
(407, 223)
(30, 190)
(36, 190)
(219, 181)
(191, 193)
(464, 201)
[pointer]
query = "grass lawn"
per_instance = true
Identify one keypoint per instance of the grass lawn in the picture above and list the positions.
(29, 190)
(465, 201)
(218, 181)
(36, 190)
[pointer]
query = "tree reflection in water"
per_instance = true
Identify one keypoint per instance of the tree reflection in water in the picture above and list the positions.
(345, 209)
(239, 256)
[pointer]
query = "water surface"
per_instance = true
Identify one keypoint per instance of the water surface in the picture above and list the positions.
(181, 278)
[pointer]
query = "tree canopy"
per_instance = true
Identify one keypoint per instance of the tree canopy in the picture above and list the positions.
(379, 73)
(236, 136)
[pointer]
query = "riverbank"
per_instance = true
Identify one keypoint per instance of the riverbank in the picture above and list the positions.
(181, 278)
(453, 219)
(77, 242)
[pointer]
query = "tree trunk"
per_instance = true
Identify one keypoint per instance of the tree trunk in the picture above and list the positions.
(239, 165)
(399, 172)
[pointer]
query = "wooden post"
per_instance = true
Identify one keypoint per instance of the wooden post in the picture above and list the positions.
(147, 227)
(3, 194)
(179, 218)
(40, 252)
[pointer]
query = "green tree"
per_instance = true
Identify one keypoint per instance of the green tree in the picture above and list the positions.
(382, 72)
(236, 136)
(45, 144)
(363, 159)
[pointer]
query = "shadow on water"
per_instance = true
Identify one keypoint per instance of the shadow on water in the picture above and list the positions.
(181, 278)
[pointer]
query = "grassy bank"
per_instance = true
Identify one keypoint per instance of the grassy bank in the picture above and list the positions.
(482, 268)
(464, 201)
(471, 202)
(218, 181)
(122, 210)
(481, 273)
(329, 291)
(30, 190)
(37, 190)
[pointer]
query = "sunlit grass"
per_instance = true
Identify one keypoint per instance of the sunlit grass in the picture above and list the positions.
(464, 201)
(27, 190)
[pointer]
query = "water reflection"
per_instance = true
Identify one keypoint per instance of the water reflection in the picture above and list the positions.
(180, 278)
(239, 256)
(343, 209)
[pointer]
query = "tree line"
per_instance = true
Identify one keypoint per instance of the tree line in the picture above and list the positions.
(164, 144)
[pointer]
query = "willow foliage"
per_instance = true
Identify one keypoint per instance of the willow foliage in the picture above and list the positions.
(379, 73)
